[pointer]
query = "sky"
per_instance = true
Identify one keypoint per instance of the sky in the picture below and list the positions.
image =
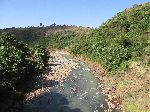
(88, 13)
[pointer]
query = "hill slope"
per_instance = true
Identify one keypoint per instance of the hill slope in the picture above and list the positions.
(120, 39)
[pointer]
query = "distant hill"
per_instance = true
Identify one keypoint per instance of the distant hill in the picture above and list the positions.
(31, 34)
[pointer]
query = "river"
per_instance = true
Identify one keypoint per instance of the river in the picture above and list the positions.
(80, 92)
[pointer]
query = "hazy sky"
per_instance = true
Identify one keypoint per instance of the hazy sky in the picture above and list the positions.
(71, 12)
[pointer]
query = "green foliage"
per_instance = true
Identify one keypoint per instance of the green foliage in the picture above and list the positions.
(119, 40)
(17, 60)
(40, 57)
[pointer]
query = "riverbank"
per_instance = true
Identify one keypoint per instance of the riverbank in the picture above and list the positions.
(56, 73)
(128, 90)
(67, 85)
(115, 102)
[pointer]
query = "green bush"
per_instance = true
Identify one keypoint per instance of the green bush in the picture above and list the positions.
(17, 60)
(40, 56)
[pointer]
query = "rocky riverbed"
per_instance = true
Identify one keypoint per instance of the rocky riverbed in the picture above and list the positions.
(67, 85)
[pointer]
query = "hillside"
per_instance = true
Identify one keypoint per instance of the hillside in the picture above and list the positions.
(123, 38)
(31, 34)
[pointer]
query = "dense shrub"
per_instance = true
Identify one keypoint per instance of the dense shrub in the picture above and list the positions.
(40, 56)
(17, 60)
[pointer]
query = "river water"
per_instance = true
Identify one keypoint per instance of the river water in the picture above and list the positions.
(80, 92)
